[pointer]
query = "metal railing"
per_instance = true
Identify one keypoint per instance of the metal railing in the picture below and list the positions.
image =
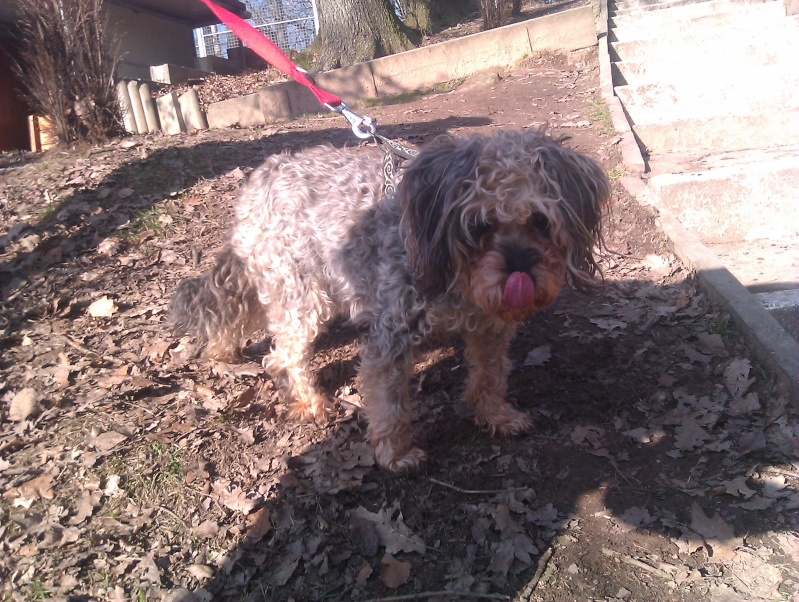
(289, 24)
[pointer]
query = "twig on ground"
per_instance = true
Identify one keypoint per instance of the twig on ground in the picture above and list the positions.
(86, 351)
(441, 594)
(637, 563)
(475, 491)
(529, 589)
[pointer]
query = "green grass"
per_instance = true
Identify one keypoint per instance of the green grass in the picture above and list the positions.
(392, 100)
(156, 219)
(720, 324)
(52, 208)
(599, 113)
(39, 591)
(441, 88)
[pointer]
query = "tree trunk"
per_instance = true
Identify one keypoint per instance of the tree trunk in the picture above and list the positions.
(353, 31)
(416, 15)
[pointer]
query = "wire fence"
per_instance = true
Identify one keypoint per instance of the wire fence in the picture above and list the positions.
(289, 24)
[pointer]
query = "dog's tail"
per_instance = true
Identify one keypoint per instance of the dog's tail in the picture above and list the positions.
(218, 309)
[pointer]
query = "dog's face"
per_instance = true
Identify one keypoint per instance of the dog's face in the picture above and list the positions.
(506, 220)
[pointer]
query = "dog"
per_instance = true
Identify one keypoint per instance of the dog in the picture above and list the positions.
(480, 234)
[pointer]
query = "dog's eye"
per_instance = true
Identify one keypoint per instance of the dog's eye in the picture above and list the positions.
(540, 222)
(480, 229)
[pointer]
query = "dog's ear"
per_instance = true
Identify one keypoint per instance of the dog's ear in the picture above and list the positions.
(583, 190)
(434, 188)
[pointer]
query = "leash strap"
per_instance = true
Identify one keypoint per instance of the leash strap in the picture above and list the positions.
(260, 44)
(394, 154)
(363, 127)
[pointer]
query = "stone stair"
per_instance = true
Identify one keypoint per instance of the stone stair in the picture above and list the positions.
(711, 91)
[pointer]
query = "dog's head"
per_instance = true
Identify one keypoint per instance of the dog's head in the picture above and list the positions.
(507, 220)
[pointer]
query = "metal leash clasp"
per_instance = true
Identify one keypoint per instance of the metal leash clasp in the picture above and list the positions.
(362, 127)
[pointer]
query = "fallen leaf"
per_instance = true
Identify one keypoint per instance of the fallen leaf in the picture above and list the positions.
(363, 535)
(85, 506)
(102, 308)
(609, 324)
(258, 525)
(689, 435)
(392, 533)
(736, 377)
(363, 574)
(108, 246)
(634, 517)
(717, 532)
(40, 487)
(538, 356)
(200, 572)
(741, 406)
(738, 487)
(207, 528)
(711, 344)
(393, 572)
(104, 442)
(588, 434)
(234, 497)
(24, 404)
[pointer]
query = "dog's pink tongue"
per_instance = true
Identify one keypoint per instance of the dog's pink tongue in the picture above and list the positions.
(519, 291)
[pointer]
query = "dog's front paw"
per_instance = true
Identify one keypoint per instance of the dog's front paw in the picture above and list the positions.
(404, 460)
(505, 420)
(316, 409)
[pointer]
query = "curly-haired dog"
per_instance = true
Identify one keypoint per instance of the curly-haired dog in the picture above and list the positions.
(481, 233)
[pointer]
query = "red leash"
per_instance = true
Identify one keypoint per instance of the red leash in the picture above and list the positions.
(362, 127)
(271, 53)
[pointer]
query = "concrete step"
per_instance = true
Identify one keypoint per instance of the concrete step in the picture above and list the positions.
(726, 48)
(615, 10)
(726, 132)
(740, 65)
(714, 95)
(739, 202)
(627, 4)
(684, 12)
(762, 266)
(745, 19)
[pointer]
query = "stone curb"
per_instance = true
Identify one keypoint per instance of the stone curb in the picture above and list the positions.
(771, 343)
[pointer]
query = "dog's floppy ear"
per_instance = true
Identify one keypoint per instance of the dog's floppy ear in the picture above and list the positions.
(584, 191)
(433, 189)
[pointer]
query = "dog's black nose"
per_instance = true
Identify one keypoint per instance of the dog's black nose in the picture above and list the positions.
(521, 259)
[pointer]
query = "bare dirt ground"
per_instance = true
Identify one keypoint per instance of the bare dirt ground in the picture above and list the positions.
(663, 467)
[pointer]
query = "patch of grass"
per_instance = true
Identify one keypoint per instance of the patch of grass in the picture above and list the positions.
(615, 173)
(52, 208)
(720, 324)
(440, 88)
(600, 113)
(448, 86)
(392, 100)
(156, 219)
(39, 591)
(152, 473)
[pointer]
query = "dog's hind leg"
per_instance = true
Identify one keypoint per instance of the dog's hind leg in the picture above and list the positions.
(293, 334)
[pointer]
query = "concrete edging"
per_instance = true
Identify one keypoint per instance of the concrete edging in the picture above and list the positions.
(771, 344)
